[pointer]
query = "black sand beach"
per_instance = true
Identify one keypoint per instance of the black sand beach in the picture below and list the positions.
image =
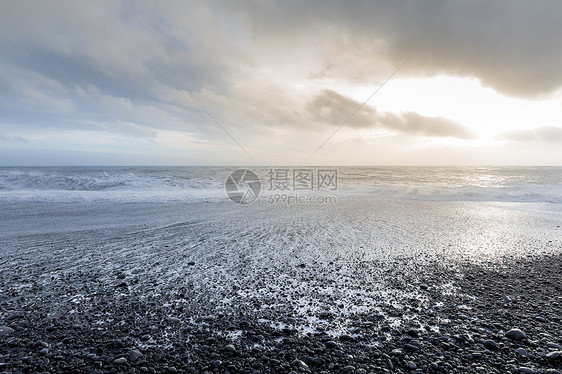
(182, 298)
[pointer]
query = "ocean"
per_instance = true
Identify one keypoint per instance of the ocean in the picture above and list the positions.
(138, 184)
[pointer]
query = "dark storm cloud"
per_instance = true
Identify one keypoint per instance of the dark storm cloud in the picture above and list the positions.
(332, 108)
(512, 46)
(542, 134)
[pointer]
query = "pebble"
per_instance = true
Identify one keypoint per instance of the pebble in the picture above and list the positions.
(410, 365)
(331, 344)
(302, 365)
(120, 361)
(515, 334)
(521, 352)
(553, 345)
(317, 360)
(553, 355)
(217, 363)
(526, 370)
(411, 347)
(174, 319)
(490, 344)
(134, 355)
(230, 348)
(5, 330)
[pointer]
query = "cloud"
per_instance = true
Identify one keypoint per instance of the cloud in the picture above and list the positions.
(263, 68)
(332, 108)
(510, 46)
(16, 139)
(416, 124)
(542, 134)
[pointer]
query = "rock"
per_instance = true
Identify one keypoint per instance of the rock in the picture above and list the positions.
(302, 365)
(331, 344)
(316, 361)
(174, 319)
(230, 348)
(191, 263)
(411, 347)
(134, 355)
(324, 315)
(120, 361)
(346, 337)
(490, 344)
(349, 368)
(553, 345)
(217, 363)
(553, 355)
(361, 371)
(521, 352)
(515, 334)
(526, 370)
(410, 365)
(5, 330)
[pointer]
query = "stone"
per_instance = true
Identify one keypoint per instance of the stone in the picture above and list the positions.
(515, 334)
(230, 348)
(134, 355)
(490, 344)
(553, 355)
(120, 361)
(411, 347)
(526, 370)
(302, 365)
(331, 344)
(5, 330)
(521, 352)
(410, 365)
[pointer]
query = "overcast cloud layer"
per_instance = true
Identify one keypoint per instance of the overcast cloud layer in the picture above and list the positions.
(85, 76)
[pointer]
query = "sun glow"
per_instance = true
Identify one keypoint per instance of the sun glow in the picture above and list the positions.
(462, 100)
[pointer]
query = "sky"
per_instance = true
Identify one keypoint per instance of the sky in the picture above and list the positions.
(280, 82)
